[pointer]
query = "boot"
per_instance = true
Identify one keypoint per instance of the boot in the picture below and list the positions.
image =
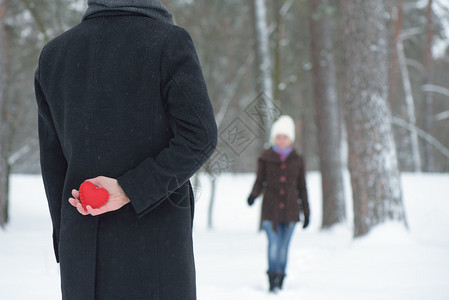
(280, 280)
(273, 278)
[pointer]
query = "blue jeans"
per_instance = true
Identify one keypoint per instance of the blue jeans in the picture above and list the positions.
(278, 242)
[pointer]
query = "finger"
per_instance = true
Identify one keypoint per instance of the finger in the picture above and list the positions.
(93, 212)
(72, 201)
(81, 210)
(75, 201)
(75, 194)
(99, 211)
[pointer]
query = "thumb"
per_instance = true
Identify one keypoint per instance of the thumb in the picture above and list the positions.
(97, 181)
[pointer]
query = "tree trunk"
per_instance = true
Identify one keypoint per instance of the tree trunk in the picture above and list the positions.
(277, 69)
(410, 107)
(397, 14)
(375, 179)
(263, 58)
(263, 47)
(327, 114)
(210, 213)
(428, 96)
(4, 124)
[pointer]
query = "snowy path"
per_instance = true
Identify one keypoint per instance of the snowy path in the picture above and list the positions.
(390, 263)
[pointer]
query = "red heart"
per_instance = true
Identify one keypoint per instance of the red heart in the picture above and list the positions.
(93, 196)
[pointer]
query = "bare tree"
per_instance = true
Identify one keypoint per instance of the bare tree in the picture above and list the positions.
(281, 9)
(397, 16)
(327, 113)
(4, 122)
(428, 96)
(375, 180)
(263, 59)
(409, 103)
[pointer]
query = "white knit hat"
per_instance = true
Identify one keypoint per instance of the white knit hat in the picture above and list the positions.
(283, 125)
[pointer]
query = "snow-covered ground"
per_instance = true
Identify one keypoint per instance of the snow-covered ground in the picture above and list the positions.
(389, 263)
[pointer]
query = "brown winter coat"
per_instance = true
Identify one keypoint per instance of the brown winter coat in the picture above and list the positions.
(283, 185)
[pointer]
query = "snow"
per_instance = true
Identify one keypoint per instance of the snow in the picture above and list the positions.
(441, 45)
(78, 5)
(440, 9)
(389, 263)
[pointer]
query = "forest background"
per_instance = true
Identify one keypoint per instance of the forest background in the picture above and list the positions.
(319, 61)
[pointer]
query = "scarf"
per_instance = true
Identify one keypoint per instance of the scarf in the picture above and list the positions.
(150, 8)
(283, 153)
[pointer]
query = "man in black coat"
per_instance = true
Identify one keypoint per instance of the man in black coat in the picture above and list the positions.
(123, 103)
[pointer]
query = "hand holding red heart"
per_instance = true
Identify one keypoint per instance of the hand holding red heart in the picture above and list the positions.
(98, 192)
(92, 195)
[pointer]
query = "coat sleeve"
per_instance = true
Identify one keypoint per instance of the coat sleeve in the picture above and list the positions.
(302, 188)
(191, 117)
(53, 162)
(260, 179)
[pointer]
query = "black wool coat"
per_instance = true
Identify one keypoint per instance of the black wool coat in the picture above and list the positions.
(122, 95)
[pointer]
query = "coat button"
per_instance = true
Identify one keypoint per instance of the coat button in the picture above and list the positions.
(282, 192)
(283, 166)
(282, 205)
(283, 179)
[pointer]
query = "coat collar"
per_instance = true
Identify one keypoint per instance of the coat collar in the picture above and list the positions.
(272, 156)
(153, 9)
(111, 13)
